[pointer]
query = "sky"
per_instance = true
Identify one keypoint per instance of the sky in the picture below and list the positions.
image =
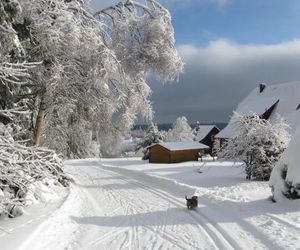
(229, 47)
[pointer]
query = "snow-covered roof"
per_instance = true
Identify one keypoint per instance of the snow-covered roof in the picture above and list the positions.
(177, 146)
(203, 131)
(286, 94)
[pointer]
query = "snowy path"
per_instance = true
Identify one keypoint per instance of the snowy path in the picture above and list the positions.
(111, 210)
(120, 204)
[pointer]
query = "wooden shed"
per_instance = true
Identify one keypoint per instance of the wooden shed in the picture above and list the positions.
(175, 152)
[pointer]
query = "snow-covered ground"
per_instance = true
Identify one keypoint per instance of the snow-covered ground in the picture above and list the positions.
(131, 204)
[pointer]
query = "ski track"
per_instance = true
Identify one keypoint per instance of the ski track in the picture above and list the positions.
(217, 235)
(159, 232)
(113, 208)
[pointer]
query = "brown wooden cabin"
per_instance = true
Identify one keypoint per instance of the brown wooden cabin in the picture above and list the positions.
(175, 152)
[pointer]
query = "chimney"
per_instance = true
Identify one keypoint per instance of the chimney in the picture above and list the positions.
(262, 86)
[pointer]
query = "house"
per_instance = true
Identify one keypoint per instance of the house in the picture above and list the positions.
(269, 102)
(175, 152)
(205, 134)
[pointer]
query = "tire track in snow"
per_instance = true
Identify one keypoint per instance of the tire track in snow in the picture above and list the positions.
(160, 232)
(284, 222)
(127, 236)
(112, 235)
(170, 238)
(217, 234)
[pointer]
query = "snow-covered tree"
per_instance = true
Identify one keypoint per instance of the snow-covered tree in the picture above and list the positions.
(181, 131)
(153, 136)
(20, 166)
(14, 73)
(87, 79)
(256, 142)
(285, 177)
(92, 77)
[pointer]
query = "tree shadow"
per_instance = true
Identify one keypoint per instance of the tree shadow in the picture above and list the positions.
(175, 216)
(248, 216)
(172, 216)
(112, 186)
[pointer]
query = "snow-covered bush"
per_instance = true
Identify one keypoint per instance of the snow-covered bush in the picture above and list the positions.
(181, 131)
(22, 166)
(285, 177)
(153, 136)
(256, 142)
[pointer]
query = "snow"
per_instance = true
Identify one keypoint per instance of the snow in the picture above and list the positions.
(288, 95)
(203, 131)
(289, 163)
(292, 159)
(131, 204)
(176, 146)
(14, 232)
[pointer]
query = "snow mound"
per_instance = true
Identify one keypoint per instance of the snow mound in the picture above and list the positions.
(285, 178)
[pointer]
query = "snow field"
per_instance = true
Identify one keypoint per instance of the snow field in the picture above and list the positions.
(131, 204)
(241, 208)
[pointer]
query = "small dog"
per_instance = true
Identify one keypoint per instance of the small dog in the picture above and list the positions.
(191, 202)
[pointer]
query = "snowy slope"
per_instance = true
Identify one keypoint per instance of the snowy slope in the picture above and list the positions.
(131, 204)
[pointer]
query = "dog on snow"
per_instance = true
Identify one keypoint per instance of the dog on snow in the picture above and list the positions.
(191, 202)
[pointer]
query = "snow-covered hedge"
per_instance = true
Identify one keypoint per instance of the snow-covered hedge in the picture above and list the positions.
(285, 177)
(20, 168)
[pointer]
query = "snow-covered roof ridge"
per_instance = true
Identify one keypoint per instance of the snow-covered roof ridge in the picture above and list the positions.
(177, 146)
(283, 97)
(204, 130)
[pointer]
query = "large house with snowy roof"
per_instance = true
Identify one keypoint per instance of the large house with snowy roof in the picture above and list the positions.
(205, 134)
(268, 101)
(175, 152)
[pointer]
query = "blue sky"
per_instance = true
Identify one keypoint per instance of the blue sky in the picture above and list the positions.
(242, 21)
(229, 47)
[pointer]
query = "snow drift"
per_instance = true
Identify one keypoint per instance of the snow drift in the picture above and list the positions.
(285, 177)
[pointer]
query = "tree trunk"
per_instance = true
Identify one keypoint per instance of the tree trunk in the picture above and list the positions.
(39, 123)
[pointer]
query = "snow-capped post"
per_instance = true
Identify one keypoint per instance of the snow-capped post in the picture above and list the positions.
(257, 143)
(285, 177)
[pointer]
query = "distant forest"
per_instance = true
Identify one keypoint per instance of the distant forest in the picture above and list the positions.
(167, 126)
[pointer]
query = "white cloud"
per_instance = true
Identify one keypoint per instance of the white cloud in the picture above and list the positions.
(223, 54)
(217, 77)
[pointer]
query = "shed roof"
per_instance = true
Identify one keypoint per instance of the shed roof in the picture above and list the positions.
(178, 146)
(286, 94)
(203, 131)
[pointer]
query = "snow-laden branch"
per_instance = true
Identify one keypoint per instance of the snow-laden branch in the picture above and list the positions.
(15, 73)
(131, 6)
(21, 166)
